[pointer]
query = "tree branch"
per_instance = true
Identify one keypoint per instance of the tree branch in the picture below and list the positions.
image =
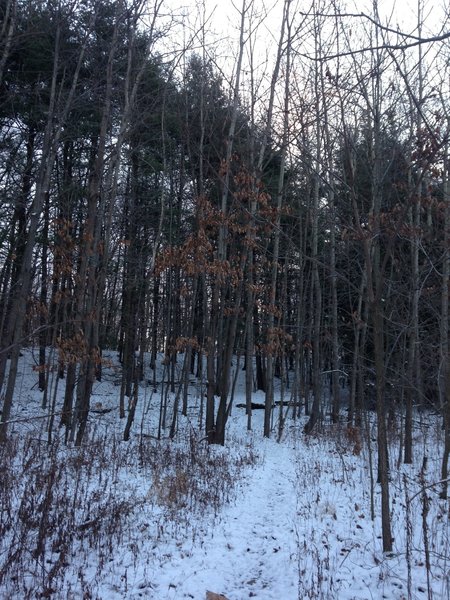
(418, 42)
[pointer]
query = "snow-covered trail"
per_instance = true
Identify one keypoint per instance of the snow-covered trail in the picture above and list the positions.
(251, 552)
(297, 525)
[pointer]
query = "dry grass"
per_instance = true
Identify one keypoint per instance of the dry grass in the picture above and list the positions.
(65, 511)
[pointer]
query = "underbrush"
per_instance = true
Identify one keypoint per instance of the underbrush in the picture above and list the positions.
(339, 532)
(189, 479)
(69, 516)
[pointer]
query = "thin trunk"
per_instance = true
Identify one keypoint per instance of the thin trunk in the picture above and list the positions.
(43, 312)
(375, 285)
(359, 327)
(271, 335)
(444, 380)
(7, 33)
(413, 348)
(188, 350)
(223, 409)
(316, 290)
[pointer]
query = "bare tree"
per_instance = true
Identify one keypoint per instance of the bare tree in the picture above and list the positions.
(215, 424)
(272, 334)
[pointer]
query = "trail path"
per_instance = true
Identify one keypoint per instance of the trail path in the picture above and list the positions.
(251, 551)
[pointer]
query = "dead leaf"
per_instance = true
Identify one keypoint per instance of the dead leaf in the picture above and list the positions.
(213, 596)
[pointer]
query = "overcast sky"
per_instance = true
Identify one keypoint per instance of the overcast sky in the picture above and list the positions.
(222, 18)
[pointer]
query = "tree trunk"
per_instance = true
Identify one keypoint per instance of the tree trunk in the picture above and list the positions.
(272, 338)
(444, 380)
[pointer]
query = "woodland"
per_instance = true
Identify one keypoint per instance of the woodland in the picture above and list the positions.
(279, 213)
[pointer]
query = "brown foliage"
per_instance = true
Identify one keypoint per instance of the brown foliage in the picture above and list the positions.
(353, 435)
(213, 596)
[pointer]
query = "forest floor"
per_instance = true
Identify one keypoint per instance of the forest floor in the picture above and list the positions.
(167, 520)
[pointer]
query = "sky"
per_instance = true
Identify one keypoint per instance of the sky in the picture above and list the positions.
(223, 19)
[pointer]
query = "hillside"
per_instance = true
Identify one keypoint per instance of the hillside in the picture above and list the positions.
(175, 519)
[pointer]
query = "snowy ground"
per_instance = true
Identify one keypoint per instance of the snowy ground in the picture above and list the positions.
(171, 520)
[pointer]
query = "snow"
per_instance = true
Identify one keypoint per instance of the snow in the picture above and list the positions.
(267, 520)
(251, 551)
